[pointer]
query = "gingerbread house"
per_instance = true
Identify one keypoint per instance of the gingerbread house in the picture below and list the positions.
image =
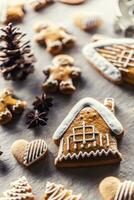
(87, 136)
(113, 58)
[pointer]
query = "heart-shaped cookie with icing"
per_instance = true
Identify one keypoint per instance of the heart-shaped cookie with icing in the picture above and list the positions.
(111, 188)
(27, 153)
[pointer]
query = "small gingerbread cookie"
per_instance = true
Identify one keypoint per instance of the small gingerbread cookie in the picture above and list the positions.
(113, 58)
(86, 21)
(72, 2)
(87, 136)
(61, 74)
(58, 192)
(111, 188)
(27, 153)
(39, 4)
(10, 105)
(11, 12)
(19, 189)
(55, 38)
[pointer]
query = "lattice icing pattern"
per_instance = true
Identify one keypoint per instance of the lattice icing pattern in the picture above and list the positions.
(34, 151)
(58, 192)
(19, 190)
(122, 56)
(125, 191)
(111, 57)
(87, 137)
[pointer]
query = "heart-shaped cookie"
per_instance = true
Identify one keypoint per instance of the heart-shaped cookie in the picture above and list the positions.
(26, 153)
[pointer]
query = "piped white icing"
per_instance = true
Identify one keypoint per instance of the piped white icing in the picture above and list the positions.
(34, 150)
(125, 191)
(77, 156)
(105, 113)
(101, 63)
(57, 192)
(19, 190)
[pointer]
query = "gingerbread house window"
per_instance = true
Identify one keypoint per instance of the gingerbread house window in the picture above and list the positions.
(86, 135)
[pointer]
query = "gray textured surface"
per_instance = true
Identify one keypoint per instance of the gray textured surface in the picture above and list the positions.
(92, 84)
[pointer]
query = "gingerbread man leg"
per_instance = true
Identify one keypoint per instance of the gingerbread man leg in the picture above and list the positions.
(67, 87)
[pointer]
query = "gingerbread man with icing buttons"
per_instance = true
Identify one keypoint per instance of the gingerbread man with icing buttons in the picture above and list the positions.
(61, 74)
(55, 38)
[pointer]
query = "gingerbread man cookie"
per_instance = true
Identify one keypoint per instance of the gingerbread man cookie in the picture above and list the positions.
(55, 38)
(19, 189)
(10, 105)
(39, 4)
(61, 74)
(88, 135)
(111, 188)
(58, 192)
(11, 12)
(113, 58)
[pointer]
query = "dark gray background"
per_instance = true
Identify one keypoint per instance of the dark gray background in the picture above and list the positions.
(92, 84)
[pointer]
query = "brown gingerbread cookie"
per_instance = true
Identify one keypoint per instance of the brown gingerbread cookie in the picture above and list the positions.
(10, 105)
(39, 4)
(111, 188)
(58, 192)
(53, 37)
(61, 74)
(113, 58)
(88, 135)
(87, 21)
(19, 189)
(27, 153)
(11, 12)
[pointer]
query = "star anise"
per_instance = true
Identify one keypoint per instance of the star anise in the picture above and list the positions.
(43, 103)
(35, 118)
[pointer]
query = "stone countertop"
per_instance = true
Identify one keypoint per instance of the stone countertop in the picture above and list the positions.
(92, 84)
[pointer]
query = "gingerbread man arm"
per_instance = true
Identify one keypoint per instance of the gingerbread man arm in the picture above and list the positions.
(50, 85)
(75, 72)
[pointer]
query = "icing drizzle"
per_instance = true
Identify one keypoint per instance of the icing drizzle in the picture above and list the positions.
(105, 113)
(125, 191)
(102, 64)
(57, 192)
(19, 190)
(34, 151)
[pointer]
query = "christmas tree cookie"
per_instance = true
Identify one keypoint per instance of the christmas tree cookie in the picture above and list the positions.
(88, 135)
(58, 192)
(19, 189)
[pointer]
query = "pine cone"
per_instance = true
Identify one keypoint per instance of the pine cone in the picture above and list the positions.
(16, 59)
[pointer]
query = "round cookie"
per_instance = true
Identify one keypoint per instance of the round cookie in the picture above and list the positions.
(73, 2)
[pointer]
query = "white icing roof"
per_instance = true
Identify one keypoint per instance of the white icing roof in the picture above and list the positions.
(102, 64)
(106, 42)
(105, 113)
